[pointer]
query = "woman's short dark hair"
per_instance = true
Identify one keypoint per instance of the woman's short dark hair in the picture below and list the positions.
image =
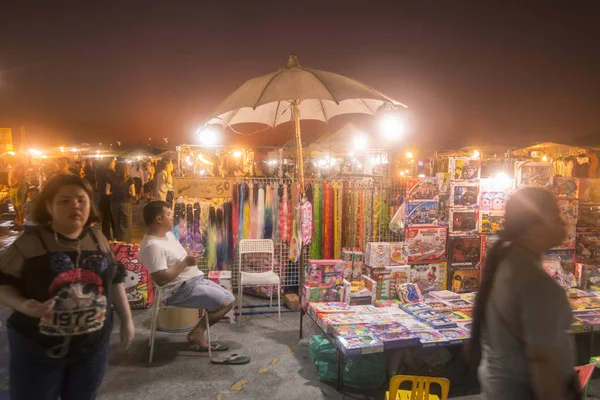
(153, 210)
(53, 186)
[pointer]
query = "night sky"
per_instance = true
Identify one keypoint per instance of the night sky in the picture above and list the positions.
(471, 72)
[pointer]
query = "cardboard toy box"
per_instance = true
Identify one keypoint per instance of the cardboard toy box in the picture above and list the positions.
(358, 264)
(464, 195)
(377, 254)
(398, 253)
(329, 272)
(422, 213)
(422, 188)
(388, 278)
(463, 168)
(566, 187)
(429, 277)
(534, 174)
(465, 251)
(463, 280)
(426, 244)
(360, 292)
(321, 294)
(464, 222)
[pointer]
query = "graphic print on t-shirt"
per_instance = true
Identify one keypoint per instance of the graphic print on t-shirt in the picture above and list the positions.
(80, 300)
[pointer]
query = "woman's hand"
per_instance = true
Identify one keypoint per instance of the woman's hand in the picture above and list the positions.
(35, 309)
(127, 333)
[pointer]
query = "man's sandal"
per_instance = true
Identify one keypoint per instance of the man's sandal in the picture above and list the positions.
(234, 359)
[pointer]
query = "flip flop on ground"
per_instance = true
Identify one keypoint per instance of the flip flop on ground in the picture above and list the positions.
(234, 359)
(216, 346)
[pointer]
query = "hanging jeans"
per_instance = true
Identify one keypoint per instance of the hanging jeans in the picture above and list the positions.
(106, 215)
(122, 220)
(35, 376)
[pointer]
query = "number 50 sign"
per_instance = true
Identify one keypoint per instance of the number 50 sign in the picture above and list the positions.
(203, 187)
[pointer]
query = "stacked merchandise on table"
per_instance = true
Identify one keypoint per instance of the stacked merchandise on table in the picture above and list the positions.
(324, 282)
(588, 234)
(464, 243)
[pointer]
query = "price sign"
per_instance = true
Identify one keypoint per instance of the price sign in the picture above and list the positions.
(203, 187)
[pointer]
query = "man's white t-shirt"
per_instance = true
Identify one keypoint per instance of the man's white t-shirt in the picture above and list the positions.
(162, 253)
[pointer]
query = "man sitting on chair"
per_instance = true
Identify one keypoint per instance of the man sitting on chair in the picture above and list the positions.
(175, 270)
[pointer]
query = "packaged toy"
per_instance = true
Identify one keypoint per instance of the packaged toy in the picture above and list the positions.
(398, 253)
(429, 277)
(422, 188)
(534, 174)
(465, 251)
(426, 244)
(464, 280)
(409, 293)
(463, 222)
(455, 335)
(357, 345)
(491, 222)
(493, 200)
(464, 195)
(566, 187)
(463, 168)
(589, 191)
(377, 255)
(430, 338)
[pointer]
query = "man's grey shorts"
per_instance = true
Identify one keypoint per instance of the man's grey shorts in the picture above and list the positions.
(200, 293)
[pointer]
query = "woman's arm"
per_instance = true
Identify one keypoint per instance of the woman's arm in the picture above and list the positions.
(132, 189)
(11, 298)
(122, 308)
(107, 190)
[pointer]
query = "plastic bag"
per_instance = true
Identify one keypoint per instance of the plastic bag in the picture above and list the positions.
(398, 220)
(363, 372)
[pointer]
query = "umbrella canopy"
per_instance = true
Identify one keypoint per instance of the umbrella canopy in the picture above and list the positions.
(142, 153)
(293, 93)
(323, 95)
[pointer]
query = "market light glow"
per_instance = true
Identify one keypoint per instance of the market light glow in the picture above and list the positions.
(62, 149)
(391, 126)
(503, 181)
(361, 142)
(476, 154)
(421, 175)
(208, 136)
(545, 158)
(237, 154)
(35, 152)
(401, 173)
(12, 153)
(409, 155)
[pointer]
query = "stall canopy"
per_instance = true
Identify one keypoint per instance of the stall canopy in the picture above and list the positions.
(141, 153)
(336, 143)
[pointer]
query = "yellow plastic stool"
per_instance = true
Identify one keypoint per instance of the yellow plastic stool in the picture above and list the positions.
(420, 388)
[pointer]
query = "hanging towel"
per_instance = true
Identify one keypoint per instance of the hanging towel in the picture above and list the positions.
(240, 234)
(197, 241)
(268, 224)
(235, 207)
(337, 220)
(183, 237)
(247, 215)
(326, 217)
(221, 240)
(315, 249)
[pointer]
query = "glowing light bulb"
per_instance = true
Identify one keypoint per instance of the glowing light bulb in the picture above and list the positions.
(237, 154)
(409, 155)
(545, 158)
(476, 154)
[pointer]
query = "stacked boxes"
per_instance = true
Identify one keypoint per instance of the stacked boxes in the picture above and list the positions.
(324, 282)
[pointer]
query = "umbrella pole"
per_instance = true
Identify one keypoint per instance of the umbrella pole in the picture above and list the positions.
(296, 108)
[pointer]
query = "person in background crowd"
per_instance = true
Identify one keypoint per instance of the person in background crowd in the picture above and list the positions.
(121, 189)
(149, 180)
(164, 179)
(521, 314)
(103, 174)
(137, 173)
(62, 282)
(18, 192)
(28, 210)
(88, 173)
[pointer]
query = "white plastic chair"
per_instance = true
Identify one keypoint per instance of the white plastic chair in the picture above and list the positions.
(156, 307)
(248, 246)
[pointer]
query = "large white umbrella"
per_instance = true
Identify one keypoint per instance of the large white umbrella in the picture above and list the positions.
(294, 93)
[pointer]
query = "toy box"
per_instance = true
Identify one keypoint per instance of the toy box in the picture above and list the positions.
(430, 338)
(438, 305)
(464, 195)
(398, 253)
(444, 209)
(409, 293)
(455, 335)
(443, 180)
(459, 304)
(461, 280)
(329, 308)
(383, 278)
(491, 222)
(463, 168)
(412, 308)
(465, 251)
(588, 246)
(360, 292)
(350, 330)
(358, 267)
(534, 174)
(322, 293)
(429, 277)
(422, 213)
(422, 188)
(357, 345)
(426, 244)
(463, 222)
(589, 191)
(397, 338)
(493, 200)
(330, 272)
(566, 187)
(377, 254)
(444, 295)
(569, 210)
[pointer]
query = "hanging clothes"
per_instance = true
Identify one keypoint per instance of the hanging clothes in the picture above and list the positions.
(235, 206)
(268, 217)
(315, 250)
(337, 218)
(211, 251)
(242, 199)
(247, 211)
(307, 223)
(276, 213)
(260, 213)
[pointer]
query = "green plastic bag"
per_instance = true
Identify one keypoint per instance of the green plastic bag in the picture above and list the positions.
(363, 372)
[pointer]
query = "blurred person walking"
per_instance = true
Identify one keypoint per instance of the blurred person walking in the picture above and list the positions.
(120, 186)
(522, 315)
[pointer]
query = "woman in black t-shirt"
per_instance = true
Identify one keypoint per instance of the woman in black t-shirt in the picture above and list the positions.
(121, 188)
(61, 281)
